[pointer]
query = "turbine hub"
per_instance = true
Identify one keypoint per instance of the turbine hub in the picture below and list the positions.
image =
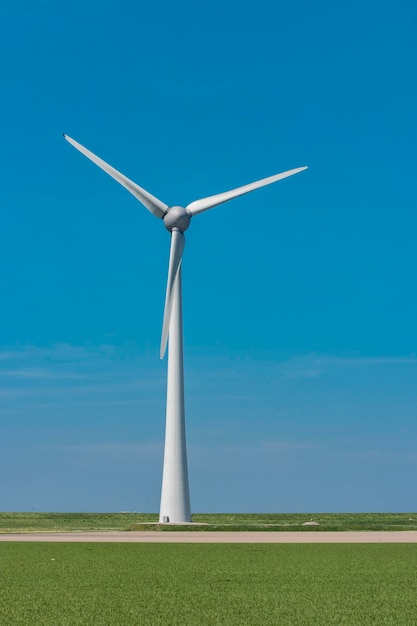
(177, 217)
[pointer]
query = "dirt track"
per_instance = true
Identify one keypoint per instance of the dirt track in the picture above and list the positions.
(220, 537)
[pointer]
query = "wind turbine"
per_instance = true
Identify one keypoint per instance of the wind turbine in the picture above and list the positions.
(175, 497)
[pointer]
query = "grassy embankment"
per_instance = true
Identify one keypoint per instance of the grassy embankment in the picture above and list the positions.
(73, 522)
(128, 584)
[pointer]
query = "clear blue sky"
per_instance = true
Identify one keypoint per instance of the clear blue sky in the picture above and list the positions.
(300, 299)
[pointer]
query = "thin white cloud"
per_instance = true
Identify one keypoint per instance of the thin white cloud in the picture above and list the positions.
(303, 372)
(364, 361)
(252, 449)
(277, 445)
(383, 456)
(30, 352)
(109, 450)
(42, 374)
(98, 389)
(313, 366)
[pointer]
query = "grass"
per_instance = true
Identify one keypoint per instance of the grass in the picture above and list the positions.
(72, 522)
(293, 521)
(188, 584)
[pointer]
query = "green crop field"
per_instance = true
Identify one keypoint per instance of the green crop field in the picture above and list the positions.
(72, 522)
(172, 584)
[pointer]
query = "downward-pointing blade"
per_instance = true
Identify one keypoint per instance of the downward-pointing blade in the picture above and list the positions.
(153, 205)
(175, 256)
(207, 203)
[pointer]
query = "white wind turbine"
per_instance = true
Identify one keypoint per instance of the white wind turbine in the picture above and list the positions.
(175, 497)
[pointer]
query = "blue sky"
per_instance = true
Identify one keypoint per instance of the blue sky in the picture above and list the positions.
(300, 300)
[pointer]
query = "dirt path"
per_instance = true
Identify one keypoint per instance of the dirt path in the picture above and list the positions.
(220, 537)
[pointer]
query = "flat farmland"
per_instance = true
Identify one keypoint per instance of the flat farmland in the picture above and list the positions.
(102, 584)
(208, 522)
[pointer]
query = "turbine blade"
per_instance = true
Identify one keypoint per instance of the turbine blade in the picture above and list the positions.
(175, 256)
(207, 203)
(153, 205)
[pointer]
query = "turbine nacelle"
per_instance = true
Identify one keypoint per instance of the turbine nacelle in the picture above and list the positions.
(177, 217)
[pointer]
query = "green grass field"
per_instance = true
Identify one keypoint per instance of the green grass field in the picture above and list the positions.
(72, 522)
(174, 584)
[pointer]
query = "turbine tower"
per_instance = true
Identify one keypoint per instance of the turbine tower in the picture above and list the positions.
(175, 497)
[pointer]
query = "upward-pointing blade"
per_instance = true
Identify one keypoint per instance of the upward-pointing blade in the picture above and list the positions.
(153, 205)
(175, 256)
(207, 203)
